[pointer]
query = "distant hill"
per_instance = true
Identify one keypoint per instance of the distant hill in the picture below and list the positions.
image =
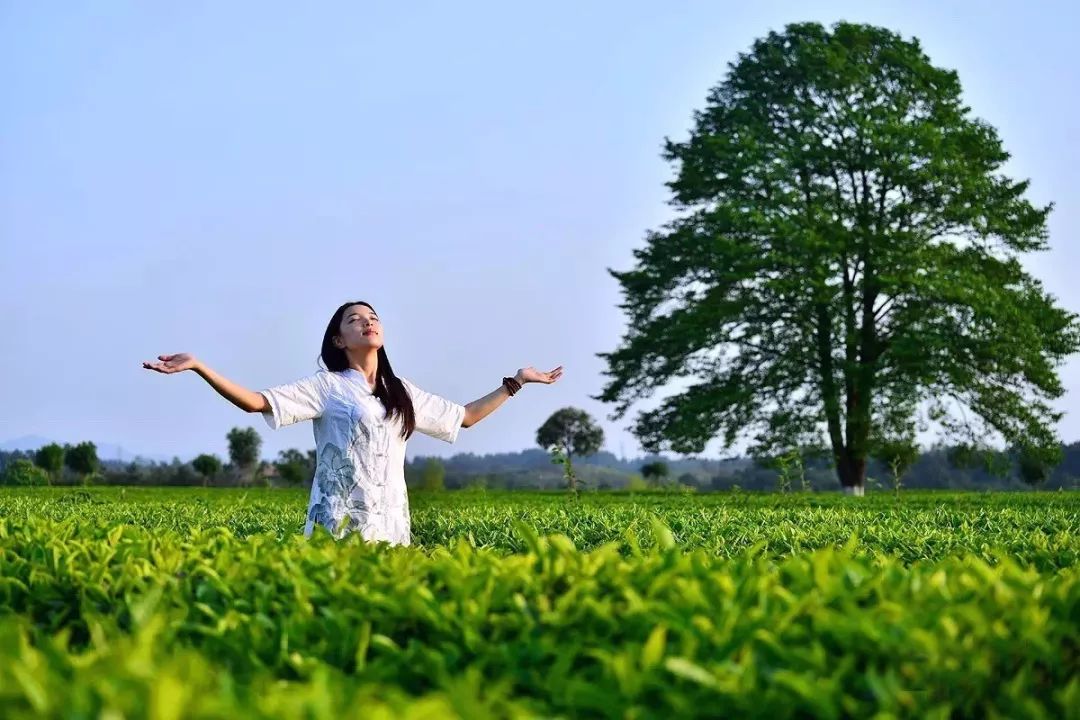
(25, 443)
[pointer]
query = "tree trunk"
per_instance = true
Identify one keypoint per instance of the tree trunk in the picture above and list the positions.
(852, 473)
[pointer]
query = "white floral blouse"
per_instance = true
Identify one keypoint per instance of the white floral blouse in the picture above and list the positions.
(359, 483)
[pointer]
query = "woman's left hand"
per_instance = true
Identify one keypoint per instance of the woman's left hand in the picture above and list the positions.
(531, 374)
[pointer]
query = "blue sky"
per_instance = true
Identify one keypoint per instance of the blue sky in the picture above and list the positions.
(218, 177)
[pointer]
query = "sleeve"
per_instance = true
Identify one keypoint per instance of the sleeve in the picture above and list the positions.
(435, 416)
(297, 401)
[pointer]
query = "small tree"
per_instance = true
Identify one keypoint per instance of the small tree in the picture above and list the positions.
(82, 459)
(477, 483)
(294, 467)
(244, 446)
(50, 458)
(558, 457)
(208, 466)
(24, 472)
(899, 454)
(789, 466)
(655, 472)
(433, 476)
(567, 433)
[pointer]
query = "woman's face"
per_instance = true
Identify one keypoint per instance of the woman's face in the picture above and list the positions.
(360, 329)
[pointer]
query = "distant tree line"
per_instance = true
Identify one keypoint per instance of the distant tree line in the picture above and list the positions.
(570, 439)
(56, 464)
(51, 464)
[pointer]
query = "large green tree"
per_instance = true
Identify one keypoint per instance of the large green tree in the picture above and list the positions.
(844, 267)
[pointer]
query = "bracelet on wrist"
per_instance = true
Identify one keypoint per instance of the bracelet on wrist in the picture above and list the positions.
(512, 386)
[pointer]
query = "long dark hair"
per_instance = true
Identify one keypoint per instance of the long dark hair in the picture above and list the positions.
(388, 386)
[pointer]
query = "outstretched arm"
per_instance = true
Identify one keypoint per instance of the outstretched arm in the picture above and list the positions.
(479, 409)
(241, 397)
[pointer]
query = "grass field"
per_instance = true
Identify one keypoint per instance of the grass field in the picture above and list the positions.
(179, 603)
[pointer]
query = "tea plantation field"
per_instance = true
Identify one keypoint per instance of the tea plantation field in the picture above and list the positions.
(180, 603)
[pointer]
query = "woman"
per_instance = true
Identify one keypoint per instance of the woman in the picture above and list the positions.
(363, 415)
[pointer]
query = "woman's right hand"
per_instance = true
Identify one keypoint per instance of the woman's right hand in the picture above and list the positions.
(241, 397)
(172, 363)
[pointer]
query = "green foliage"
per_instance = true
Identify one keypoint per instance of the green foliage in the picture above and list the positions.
(848, 255)
(244, 446)
(688, 480)
(477, 483)
(24, 472)
(899, 454)
(976, 455)
(939, 606)
(1041, 529)
(295, 467)
(559, 457)
(82, 459)
(207, 465)
(572, 430)
(433, 476)
(50, 458)
(655, 472)
(789, 466)
(1035, 463)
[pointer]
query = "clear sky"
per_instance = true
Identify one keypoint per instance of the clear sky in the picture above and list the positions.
(217, 177)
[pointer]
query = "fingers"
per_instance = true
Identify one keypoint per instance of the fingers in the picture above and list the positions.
(157, 367)
(164, 366)
(548, 377)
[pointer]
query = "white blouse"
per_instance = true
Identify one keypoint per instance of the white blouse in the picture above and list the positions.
(359, 483)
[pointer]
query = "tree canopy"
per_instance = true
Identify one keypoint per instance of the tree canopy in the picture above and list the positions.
(844, 268)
